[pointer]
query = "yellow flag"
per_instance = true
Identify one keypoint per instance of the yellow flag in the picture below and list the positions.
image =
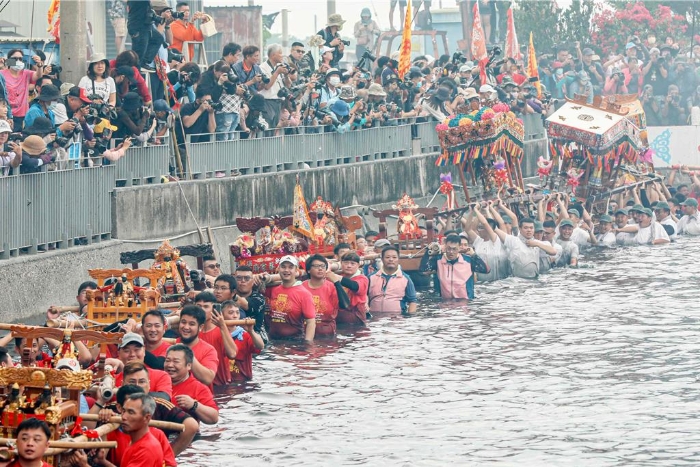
(405, 52)
(532, 72)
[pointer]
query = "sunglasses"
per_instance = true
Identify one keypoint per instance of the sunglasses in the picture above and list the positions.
(217, 265)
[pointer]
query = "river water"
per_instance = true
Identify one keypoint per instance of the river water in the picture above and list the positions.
(592, 366)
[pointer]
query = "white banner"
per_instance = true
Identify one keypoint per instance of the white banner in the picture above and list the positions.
(675, 145)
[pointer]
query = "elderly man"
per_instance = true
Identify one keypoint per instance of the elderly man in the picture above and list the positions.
(188, 393)
(689, 224)
(145, 450)
(292, 309)
(278, 77)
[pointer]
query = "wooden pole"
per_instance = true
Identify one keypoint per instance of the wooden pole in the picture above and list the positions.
(464, 181)
(93, 417)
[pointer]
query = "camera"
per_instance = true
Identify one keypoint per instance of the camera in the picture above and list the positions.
(92, 116)
(458, 57)
(155, 18)
(185, 79)
(175, 56)
(366, 61)
(106, 111)
(15, 137)
(265, 79)
(217, 106)
(178, 14)
(56, 69)
(61, 141)
(345, 43)
(78, 129)
(283, 93)
(100, 145)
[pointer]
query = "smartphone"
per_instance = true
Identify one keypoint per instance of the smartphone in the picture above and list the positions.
(10, 62)
(217, 307)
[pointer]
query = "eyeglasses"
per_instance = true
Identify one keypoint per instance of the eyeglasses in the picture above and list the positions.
(317, 266)
(244, 278)
(217, 265)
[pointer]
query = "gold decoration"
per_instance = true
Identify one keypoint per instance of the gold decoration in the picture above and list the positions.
(29, 377)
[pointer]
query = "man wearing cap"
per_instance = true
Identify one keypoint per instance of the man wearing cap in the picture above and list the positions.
(570, 252)
(390, 70)
(10, 153)
(131, 349)
(606, 236)
(594, 69)
(650, 231)
(184, 29)
(292, 310)
(656, 72)
(663, 217)
(330, 90)
(689, 224)
(331, 37)
(622, 237)
(77, 106)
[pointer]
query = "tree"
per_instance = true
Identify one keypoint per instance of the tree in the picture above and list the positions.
(537, 17)
(575, 21)
(612, 29)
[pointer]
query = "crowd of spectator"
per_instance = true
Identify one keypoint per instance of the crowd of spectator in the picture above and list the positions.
(149, 92)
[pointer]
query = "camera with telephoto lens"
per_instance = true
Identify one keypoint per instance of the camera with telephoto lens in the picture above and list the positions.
(175, 56)
(78, 128)
(101, 145)
(61, 141)
(217, 106)
(55, 69)
(184, 79)
(92, 116)
(345, 43)
(458, 57)
(366, 61)
(106, 111)
(265, 79)
(155, 18)
(178, 14)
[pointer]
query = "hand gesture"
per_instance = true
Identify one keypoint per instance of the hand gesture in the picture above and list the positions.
(184, 401)
(218, 319)
(37, 60)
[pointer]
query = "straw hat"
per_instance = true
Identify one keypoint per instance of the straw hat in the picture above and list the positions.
(335, 20)
(33, 145)
(469, 93)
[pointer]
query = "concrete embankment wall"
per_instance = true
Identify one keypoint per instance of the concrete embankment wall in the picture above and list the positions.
(30, 284)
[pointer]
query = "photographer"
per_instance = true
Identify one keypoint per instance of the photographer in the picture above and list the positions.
(145, 40)
(184, 80)
(10, 152)
(634, 79)
(248, 70)
(656, 73)
(594, 69)
(652, 106)
(103, 134)
(295, 56)
(344, 117)
(331, 38)
(34, 157)
(184, 30)
(577, 83)
(77, 108)
(254, 124)
(98, 81)
(330, 91)
(366, 32)
(615, 83)
(133, 119)
(672, 112)
(277, 74)
(198, 117)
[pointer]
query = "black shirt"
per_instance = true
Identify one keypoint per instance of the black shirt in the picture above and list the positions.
(200, 125)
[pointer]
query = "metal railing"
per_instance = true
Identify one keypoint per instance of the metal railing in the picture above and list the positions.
(143, 164)
(58, 209)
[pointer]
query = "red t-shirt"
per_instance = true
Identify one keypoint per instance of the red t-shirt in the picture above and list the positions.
(196, 390)
(123, 441)
(145, 452)
(160, 381)
(325, 300)
(289, 307)
(205, 354)
(161, 350)
(15, 463)
(216, 340)
(241, 369)
(357, 313)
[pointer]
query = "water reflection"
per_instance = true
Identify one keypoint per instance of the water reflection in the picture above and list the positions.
(591, 366)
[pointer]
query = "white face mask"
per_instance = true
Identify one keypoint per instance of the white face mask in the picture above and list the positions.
(19, 66)
(334, 81)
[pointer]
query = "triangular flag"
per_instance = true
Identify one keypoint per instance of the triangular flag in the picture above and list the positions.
(302, 221)
(405, 51)
(478, 39)
(532, 72)
(512, 46)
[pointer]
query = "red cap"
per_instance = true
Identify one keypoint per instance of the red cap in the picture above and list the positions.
(80, 93)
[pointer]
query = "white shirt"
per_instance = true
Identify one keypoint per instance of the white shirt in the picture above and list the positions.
(524, 260)
(669, 221)
(495, 255)
(580, 237)
(647, 235)
(569, 251)
(607, 239)
(624, 238)
(548, 261)
(103, 89)
(272, 92)
(689, 225)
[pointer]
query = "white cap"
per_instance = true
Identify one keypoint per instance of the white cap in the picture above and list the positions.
(68, 364)
(486, 88)
(325, 49)
(5, 127)
(290, 259)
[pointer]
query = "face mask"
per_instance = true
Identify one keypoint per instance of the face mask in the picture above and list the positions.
(334, 81)
(19, 66)
(419, 84)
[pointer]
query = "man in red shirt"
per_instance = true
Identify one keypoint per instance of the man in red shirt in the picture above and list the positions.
(189, 394)
(216, 334)
(291, 305)
(153, 326)
(132, 349)
(323, 293)
(248, 342)
(206, 360)
(32, 442)
(144, 450)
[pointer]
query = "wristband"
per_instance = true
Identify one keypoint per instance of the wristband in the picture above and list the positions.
(194, 406)
(99, 406)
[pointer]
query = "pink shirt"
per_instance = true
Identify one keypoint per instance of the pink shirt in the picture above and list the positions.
(18, 91)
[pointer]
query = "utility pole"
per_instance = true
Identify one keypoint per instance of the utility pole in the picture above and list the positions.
(285, 31)
(73, 40)
(330, 6)
(465, 10)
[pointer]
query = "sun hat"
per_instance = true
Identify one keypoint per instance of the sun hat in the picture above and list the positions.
(376, 89)
(340, 108)
(5, 127)
(335, 20)
(469, 93)
(33, 145)
(98, 57)
(347, 92)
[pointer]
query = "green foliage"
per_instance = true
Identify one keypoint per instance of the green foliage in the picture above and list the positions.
(538, 17)
(575, 22)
